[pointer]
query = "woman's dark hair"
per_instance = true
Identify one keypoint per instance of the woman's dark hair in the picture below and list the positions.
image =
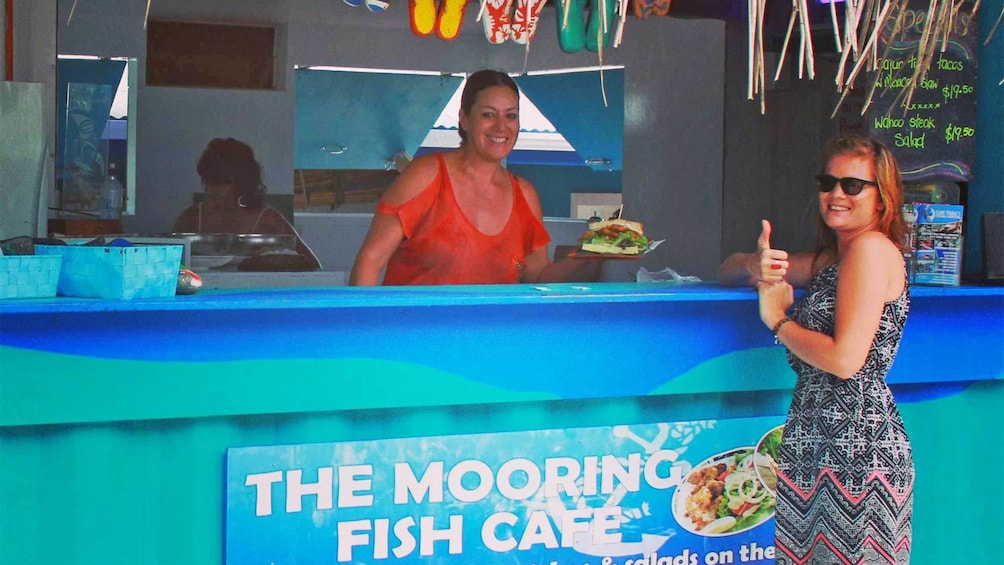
(475, 84)
(890, 189)
(230, 161)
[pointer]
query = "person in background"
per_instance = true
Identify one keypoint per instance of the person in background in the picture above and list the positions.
(459, 217)
(234, 200)
(845, 485)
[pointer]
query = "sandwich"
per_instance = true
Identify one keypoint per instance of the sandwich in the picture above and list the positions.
(614, 237)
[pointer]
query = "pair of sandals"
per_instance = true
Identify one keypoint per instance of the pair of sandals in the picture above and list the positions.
(375, 6)
(502, 23)
(444, 20)
(578, 30)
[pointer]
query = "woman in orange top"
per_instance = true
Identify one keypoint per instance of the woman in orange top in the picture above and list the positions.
(458, 217)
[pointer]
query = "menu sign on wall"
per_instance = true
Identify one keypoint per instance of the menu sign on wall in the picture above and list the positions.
(933, 135)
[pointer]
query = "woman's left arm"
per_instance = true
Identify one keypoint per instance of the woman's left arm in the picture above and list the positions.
(865, 276)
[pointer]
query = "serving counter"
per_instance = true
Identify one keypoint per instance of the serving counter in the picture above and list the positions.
(120, 420)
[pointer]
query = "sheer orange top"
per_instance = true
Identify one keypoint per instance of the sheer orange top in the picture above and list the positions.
(442, 246)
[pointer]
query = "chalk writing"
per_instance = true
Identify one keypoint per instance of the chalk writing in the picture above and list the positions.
(956, 133)
(943, 104)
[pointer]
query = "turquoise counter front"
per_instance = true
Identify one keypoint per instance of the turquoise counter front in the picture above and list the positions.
(119, 420)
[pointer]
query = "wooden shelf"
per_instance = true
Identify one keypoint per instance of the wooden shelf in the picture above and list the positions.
(67, 226)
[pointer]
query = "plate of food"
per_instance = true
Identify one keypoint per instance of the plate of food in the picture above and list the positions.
(766, 457)
(723, 495)
(614, 239)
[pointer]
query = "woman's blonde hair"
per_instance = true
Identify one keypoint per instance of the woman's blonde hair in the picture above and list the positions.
(890, 189)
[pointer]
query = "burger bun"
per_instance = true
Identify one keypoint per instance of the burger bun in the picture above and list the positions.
(637, 227)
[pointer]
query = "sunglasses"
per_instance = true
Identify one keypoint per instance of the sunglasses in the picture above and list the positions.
(850, 185)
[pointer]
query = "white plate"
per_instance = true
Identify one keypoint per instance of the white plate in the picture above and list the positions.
(679, 503)
(203, 262)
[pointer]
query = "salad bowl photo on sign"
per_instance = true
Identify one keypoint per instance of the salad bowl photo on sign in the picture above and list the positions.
(723, 495)
(766, 457)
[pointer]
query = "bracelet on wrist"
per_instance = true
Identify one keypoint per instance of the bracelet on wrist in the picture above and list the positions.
(777, 327)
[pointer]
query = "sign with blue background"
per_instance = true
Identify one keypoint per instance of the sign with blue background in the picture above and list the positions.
(681, 493)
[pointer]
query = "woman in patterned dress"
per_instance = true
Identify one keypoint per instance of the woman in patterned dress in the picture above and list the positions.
(845, 487)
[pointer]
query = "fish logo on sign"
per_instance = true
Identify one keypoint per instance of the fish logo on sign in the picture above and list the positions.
(648, 542)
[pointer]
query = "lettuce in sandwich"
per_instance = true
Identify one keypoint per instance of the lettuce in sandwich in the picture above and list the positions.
(614, 237)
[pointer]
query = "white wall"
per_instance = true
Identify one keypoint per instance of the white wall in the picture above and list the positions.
(673, 140)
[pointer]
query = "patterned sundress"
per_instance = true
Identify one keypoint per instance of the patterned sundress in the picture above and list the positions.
(845, 490)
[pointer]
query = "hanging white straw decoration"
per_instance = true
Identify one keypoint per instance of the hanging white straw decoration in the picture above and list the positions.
(751, 30)
(72, 9)
(853, 16)
(526, 52)
(146, 17)
(810, 56)
(622, 14)
(871, 45)
(836, 26)
(784, 45)
(761, 82)
(993, 29)
(851, 12)
(599, 49)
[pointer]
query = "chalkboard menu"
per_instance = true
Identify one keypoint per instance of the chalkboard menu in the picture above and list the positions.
(934, 136)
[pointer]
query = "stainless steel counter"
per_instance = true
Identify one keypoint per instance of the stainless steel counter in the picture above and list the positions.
(239, 279)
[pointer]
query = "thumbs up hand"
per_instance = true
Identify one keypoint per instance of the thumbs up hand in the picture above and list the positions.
(772, 263)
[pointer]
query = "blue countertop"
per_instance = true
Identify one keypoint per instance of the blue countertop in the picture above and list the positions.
(460, 295)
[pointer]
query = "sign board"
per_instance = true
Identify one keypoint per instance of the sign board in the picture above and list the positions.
(933, 137)
(625, 494)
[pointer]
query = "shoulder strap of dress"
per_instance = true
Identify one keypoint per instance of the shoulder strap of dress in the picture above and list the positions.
(443, 171)
(444, 184)
(517, 191)
(257, 220)
(434, 185)
(515, 182)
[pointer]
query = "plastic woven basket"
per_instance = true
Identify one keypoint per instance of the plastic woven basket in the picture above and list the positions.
(140, 271)
(29, 276)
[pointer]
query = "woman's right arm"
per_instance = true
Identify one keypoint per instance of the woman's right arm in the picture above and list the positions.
(382, 239)
(766, 265)
(385, 232)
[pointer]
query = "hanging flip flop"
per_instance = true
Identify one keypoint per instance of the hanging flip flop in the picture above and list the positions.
(601, 23)
(376, 6)
(354, 3)
(497, 20)
(423, 16)
(451, 17)
(525, 18)
(645, 8)
(571, 17)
